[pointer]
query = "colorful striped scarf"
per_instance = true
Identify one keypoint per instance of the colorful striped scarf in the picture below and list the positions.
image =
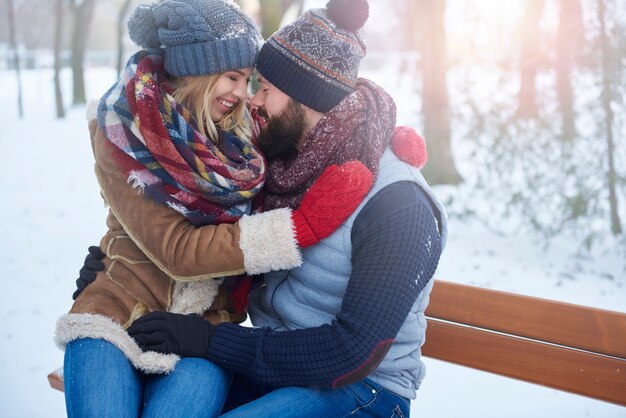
(157, 144)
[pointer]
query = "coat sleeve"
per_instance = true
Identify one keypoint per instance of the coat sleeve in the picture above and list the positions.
(167, 238)
(181, 250)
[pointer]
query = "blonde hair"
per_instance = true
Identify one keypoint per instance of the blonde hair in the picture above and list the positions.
(196, 94)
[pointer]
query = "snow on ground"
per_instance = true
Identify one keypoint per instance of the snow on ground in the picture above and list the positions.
(51, 211)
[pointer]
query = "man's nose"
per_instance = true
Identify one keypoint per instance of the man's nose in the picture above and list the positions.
(258, 99)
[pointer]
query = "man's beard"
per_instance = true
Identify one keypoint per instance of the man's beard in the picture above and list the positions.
(280, 138)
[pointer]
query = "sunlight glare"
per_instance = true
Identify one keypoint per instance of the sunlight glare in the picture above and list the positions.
(482, 28)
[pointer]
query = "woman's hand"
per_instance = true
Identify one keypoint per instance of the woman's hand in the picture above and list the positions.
(87, 274)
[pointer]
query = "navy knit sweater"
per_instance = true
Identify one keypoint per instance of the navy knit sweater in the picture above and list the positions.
(391, 264)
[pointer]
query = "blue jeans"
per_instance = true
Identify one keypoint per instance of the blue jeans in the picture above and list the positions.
(101, 382)
(361, 399)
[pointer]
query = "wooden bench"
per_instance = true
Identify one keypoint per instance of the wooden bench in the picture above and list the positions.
(568, 347)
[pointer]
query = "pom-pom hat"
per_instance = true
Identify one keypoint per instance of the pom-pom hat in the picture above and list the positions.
(198, 37)
(315, 60)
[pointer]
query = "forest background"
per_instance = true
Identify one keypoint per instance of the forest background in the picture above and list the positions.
(521, 103)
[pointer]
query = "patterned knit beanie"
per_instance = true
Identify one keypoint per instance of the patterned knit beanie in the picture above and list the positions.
(198, 37)
(315, 60)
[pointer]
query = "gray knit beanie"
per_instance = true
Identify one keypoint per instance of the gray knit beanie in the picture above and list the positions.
(198, 37)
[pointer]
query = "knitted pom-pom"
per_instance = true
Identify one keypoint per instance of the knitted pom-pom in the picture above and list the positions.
(409, 146)
(142, 28)
(348, 14)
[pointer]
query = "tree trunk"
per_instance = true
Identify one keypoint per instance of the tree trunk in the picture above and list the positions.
(16, 60)
(121, 23)
(530, 58)
(82, 23)
(568, 40)
(440, 168)
(616, 226)
(58, 34)
(409, 15)
(270, 17)
(272, 12)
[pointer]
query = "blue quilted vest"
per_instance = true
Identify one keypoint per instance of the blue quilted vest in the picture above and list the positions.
(311, 295)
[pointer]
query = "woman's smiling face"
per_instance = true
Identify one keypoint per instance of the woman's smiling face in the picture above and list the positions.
(231, 88)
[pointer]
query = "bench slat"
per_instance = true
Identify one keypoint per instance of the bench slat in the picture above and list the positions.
(587, 328)
(56, 379)
(579, 372)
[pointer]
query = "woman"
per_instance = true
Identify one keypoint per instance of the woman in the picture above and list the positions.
(175, 161)
(176, 127)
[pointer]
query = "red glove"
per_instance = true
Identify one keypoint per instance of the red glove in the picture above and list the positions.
(333, 197)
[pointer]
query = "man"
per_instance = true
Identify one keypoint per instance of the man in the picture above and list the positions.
(341, 334)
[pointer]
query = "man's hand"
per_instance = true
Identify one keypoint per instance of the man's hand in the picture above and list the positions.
(333, 197)
(87, 274)
(165, 332)
(272, 240)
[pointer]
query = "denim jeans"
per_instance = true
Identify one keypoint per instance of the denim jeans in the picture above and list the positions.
(101, 382)
(361, 399)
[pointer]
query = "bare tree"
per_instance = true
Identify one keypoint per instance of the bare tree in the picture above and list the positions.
(531, 55)
(16, 60)
(616, 226)
(58, 35)
(272, 12)
(82, 13)
(121, 20)
(568, 40)
(435, 109)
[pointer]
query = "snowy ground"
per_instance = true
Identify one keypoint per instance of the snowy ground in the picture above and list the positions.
(51, 211)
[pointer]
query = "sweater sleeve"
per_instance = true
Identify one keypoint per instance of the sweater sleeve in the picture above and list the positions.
(396, 249)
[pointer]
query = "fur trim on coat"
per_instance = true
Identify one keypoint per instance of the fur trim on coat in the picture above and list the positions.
(268, 242)
(72, 327)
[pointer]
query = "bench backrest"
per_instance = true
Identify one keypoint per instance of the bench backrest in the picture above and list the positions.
(573, 348)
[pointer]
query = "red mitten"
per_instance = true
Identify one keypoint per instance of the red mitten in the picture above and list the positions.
(409, 146)
(333, 197)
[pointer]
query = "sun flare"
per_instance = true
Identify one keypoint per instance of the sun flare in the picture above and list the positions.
(482, 27)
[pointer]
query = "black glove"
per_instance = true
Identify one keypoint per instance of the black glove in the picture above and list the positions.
(91, 267)
(165, 332)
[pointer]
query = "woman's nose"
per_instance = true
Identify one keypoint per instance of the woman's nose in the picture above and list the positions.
(241, 91)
